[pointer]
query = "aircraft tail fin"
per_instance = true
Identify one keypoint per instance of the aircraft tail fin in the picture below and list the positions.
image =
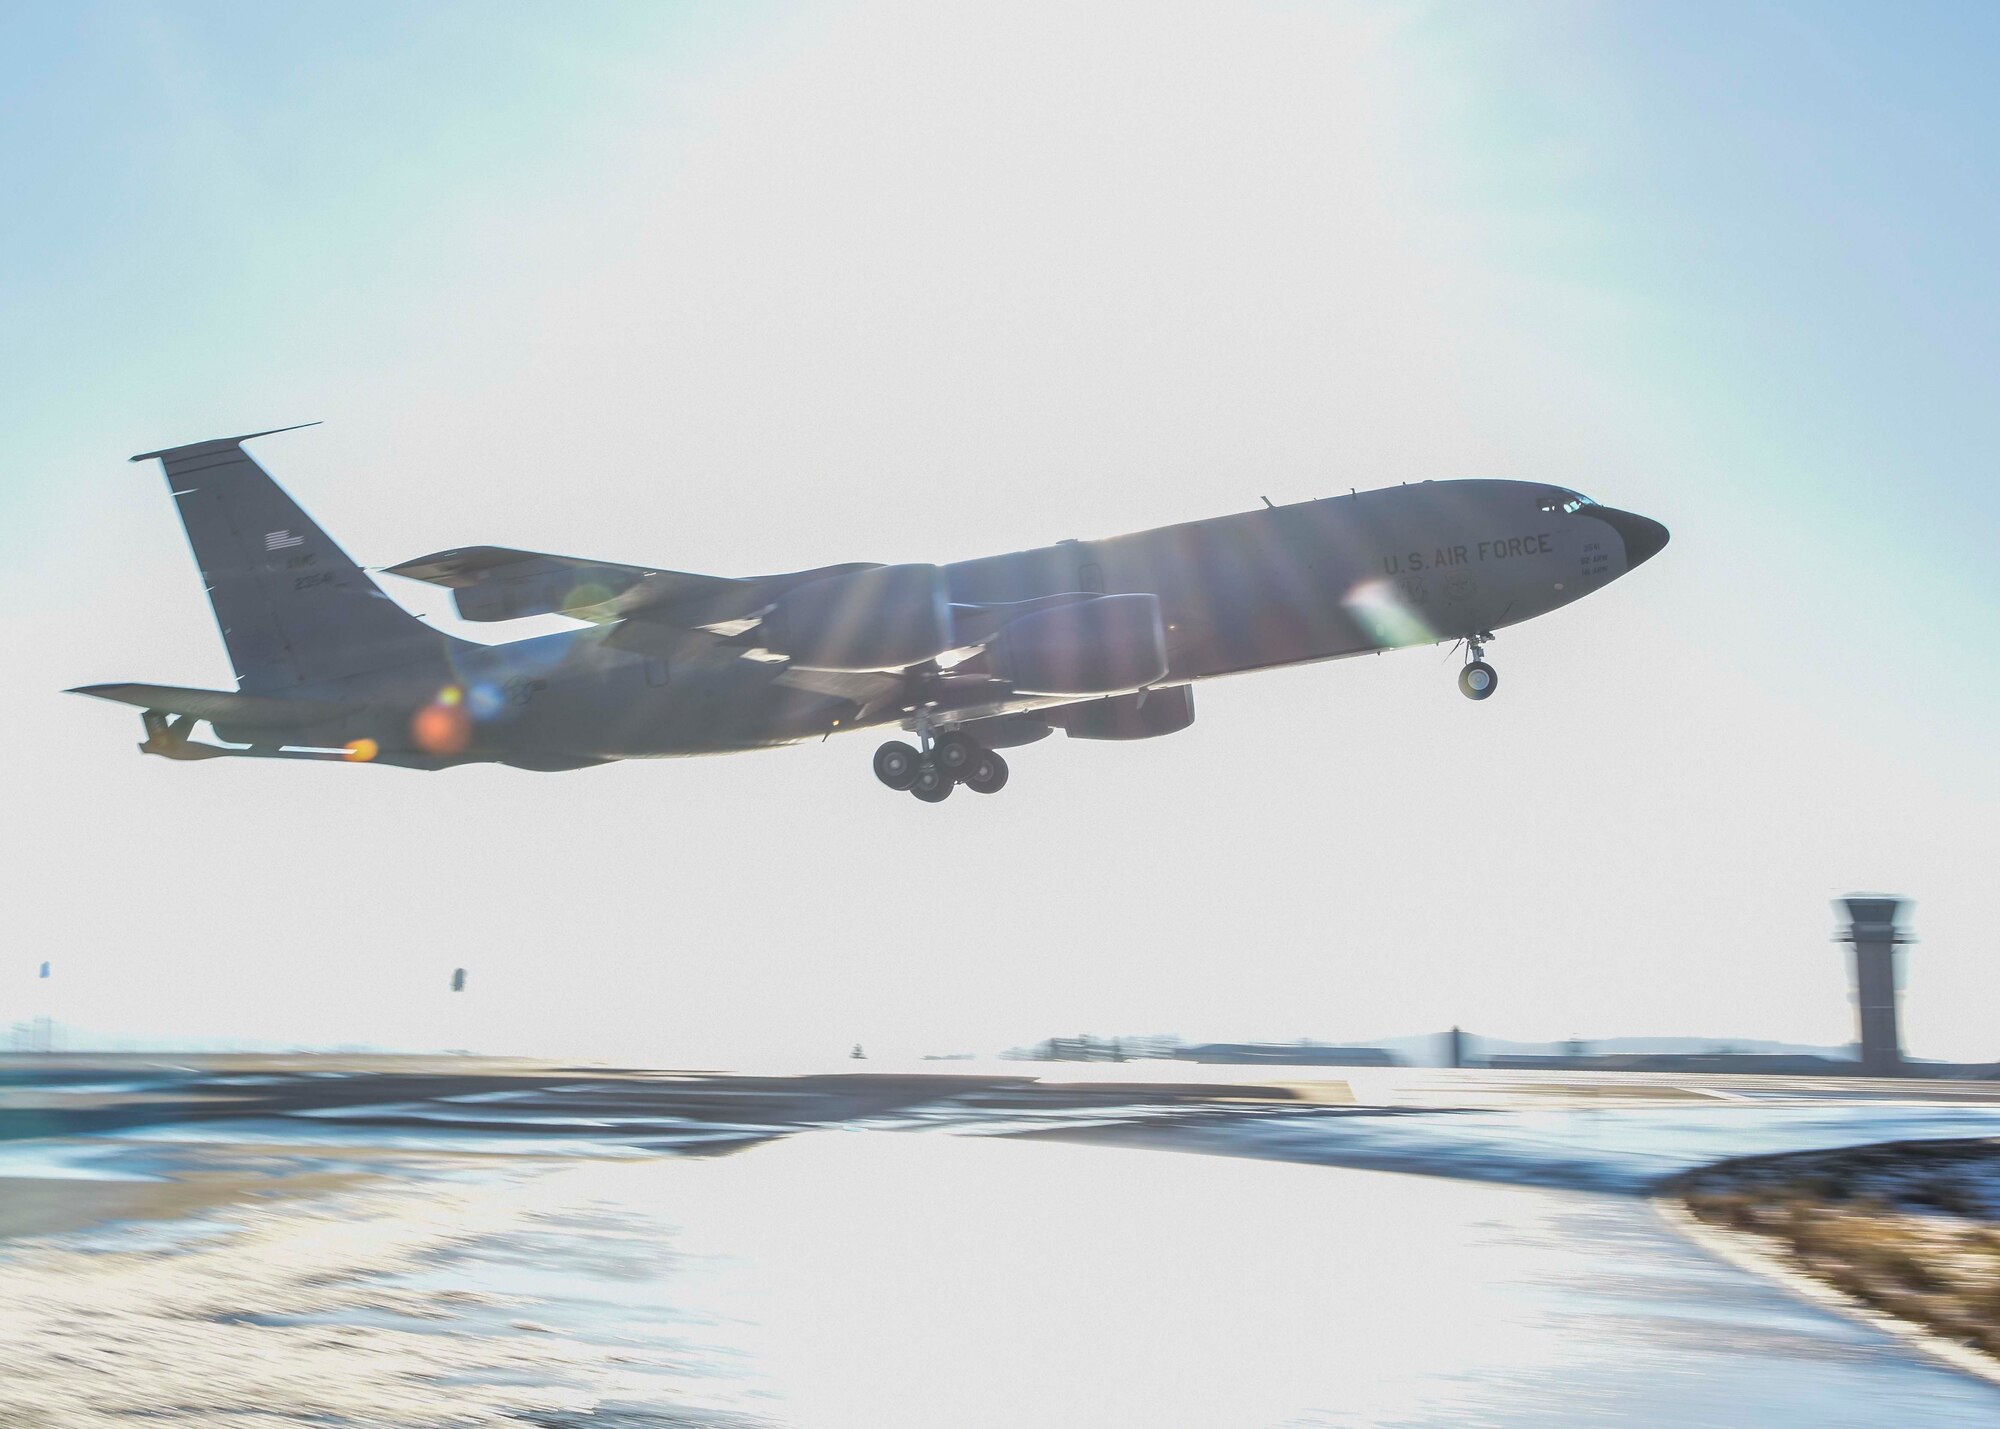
(293, 608)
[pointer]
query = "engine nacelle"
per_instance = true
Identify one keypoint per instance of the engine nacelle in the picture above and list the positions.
(881, 619)
(1009, 731)
(1146, 715)
(1105, 646)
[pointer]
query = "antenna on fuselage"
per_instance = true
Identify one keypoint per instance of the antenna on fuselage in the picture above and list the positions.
(1267, 501)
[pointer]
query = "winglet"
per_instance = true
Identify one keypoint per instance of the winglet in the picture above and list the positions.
(217, 444)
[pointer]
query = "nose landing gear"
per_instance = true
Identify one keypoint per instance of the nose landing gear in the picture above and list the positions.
(940, 766)
(1478, 679)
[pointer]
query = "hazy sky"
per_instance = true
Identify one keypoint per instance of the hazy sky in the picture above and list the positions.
(739, 289)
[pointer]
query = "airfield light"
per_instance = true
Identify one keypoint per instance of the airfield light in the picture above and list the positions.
(360, 751)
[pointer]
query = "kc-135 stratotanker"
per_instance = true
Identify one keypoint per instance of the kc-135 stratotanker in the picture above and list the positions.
(1102, 639)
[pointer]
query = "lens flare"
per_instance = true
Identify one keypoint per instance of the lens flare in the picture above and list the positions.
(450, 695)
(362, 750)
(485, 700)
(441, 728)
(1381, 610)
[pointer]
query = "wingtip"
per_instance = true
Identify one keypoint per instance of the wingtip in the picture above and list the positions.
(219, 443)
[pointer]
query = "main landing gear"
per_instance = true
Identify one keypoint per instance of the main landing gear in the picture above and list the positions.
(1478, 679)
(941, 766)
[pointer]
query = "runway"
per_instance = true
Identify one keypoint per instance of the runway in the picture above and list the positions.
(450, 1242)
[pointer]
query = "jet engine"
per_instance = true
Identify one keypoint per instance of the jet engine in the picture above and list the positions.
(880, 619)
(1105, 646)
(1145, 715)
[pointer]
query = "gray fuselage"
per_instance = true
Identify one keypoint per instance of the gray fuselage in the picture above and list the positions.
(1318, 580)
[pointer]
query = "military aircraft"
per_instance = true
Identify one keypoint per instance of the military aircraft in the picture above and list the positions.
(1102, 639)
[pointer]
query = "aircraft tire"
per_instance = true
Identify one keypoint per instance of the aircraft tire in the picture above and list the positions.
(986, 774)
(1478, 680)
(932, 784)
(954, 754)
(896, 765)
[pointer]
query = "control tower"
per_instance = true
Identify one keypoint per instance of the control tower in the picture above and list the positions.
(1872, 927)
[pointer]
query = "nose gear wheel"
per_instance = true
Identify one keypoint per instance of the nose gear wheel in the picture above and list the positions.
(1478, 679)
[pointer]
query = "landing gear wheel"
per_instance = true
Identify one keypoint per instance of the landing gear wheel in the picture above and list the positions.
(932, 784)
(896, 765)
(986, 774)
(954, 754)
(1478, 680)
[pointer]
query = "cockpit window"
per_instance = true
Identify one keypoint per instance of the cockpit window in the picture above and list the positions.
(1556, 499)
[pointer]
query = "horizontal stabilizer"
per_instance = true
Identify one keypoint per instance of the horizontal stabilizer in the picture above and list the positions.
(221, 706)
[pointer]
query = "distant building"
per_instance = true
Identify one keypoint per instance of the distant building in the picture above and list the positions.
(1768, 1064)
(1874, 932)
(1289, 1054)
(1088, 1048)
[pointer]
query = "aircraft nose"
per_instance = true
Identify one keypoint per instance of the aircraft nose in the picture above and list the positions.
(1642, 535)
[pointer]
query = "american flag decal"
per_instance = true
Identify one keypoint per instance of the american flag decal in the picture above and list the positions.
(281, 540)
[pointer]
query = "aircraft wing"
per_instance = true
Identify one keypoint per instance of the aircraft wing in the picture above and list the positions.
(868, 690)
(499, 583)
(662, 614)
(965, 697)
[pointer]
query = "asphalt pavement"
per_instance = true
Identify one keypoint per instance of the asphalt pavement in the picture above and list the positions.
(507, 1244)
